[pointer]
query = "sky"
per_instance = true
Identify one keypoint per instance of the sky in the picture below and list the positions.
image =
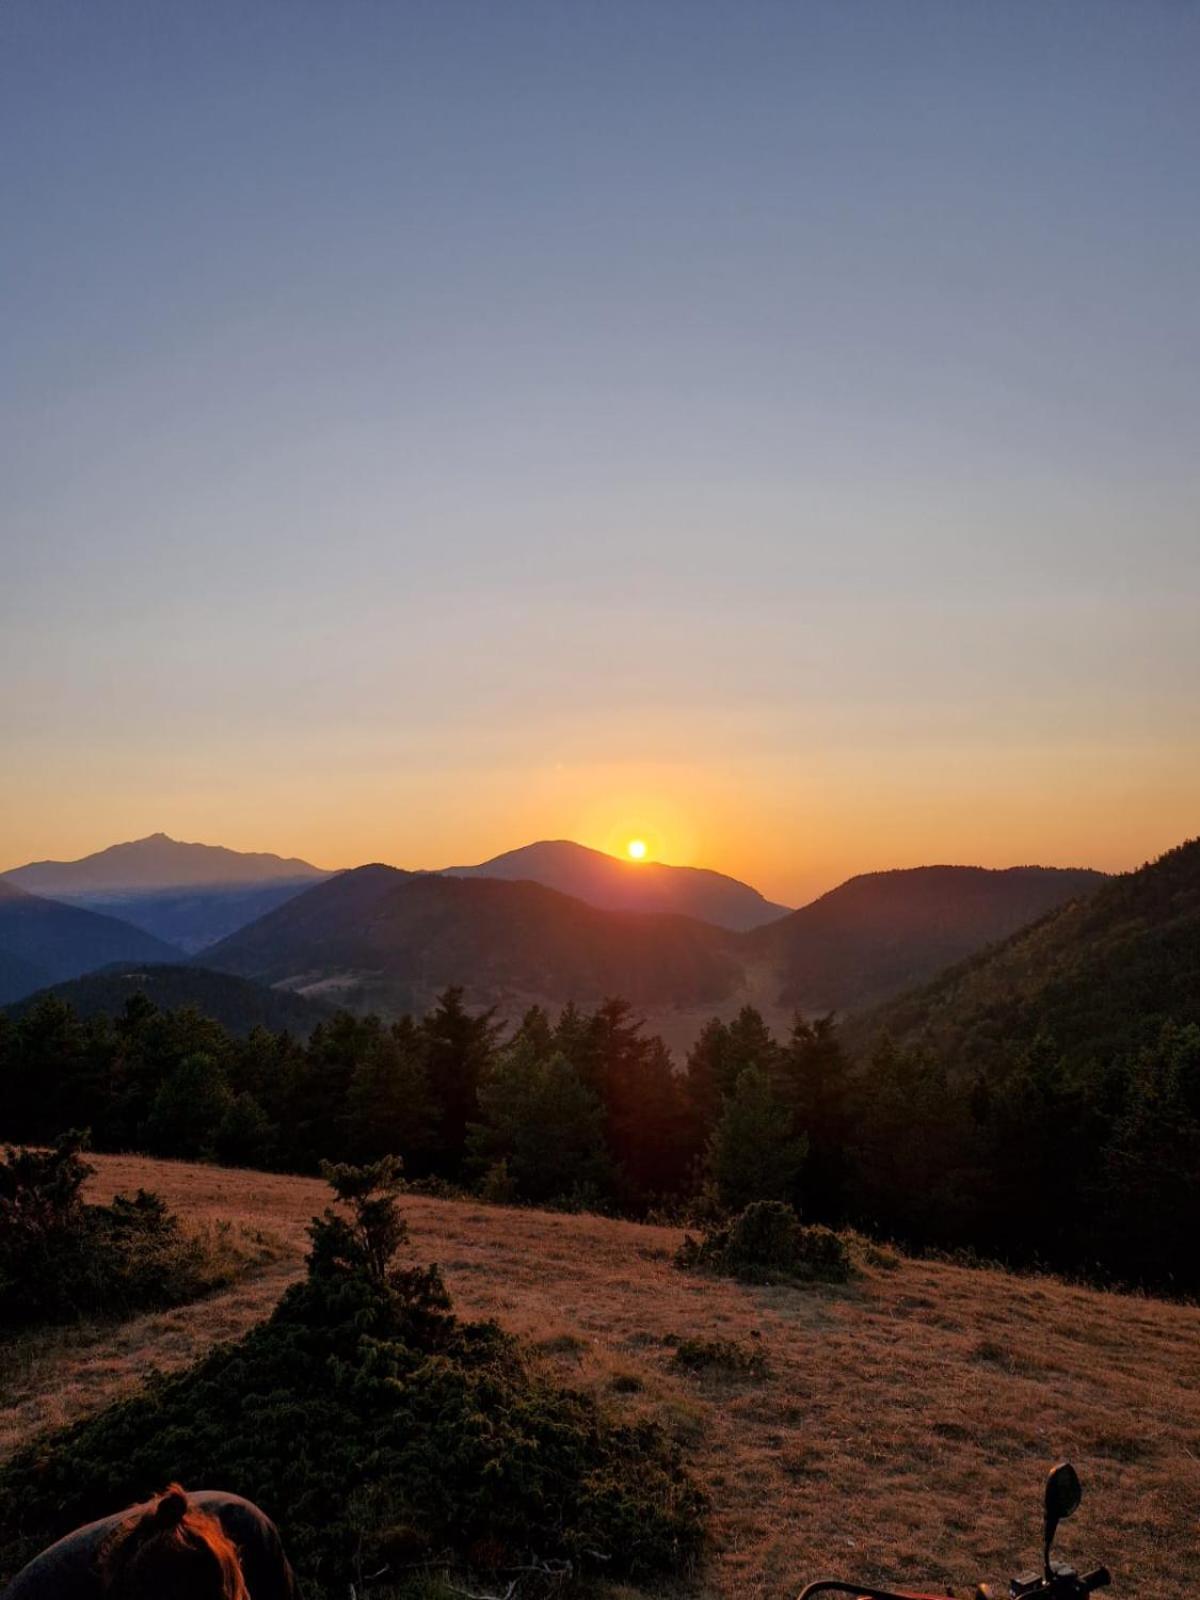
(769, 430)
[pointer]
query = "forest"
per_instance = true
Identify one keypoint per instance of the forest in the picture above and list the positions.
(1086, 1167)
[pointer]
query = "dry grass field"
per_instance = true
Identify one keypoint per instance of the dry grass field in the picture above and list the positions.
(901, 1430)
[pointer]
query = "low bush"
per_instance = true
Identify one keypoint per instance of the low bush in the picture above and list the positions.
(369, 1421)
(721, 1355)
(767, 1243)
(61, 1259)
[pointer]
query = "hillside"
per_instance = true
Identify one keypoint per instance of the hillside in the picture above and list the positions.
(236, 1003)
(881, 932)
(1098, 976)
(43, 942)
(900, 1432)
(615, 885)
(190, 895)
(379, 938)
(192, 919)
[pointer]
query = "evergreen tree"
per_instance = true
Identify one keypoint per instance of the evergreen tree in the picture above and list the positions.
(245, 1135)
(812, 1078)
(710, 1072)
(459, 1049)
(389, 1107)
(544, 1124)
(1149, 1212)
(189, 1107)
(753, 1153)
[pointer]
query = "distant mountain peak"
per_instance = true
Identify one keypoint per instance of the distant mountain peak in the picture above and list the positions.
(614, 883)
(157, 861)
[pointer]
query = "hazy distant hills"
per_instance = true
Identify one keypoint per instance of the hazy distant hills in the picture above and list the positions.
(880, 933)
(1097, 977)
(380, 938)
(616, 885)
(156, 862)
(43, 942)
(190, 895)
(236, 1003)
(377, 937)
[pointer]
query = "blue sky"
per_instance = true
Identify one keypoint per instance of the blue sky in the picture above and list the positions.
(771, 428)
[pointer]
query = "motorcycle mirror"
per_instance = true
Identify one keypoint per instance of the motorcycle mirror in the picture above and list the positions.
(1063, 1494)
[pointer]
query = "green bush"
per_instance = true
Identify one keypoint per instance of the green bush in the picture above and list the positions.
(720, 1355)
(61, 1259)
(367, 1419)
(767, 1243)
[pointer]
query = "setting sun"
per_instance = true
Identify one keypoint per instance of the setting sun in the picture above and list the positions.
(636, 849)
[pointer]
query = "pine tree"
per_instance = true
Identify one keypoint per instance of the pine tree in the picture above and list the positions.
(753, 1153)
(544, 1124)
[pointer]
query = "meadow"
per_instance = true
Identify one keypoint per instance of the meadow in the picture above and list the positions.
(896, 1427)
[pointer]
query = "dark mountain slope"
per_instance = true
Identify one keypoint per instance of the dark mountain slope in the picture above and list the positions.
(43, 942)
(376, 937)
(884, 931)
(616, 885)
(236, 1003)
(1097, 977)
(191, 919)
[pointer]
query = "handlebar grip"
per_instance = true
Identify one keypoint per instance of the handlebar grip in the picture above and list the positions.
(1100, 1579)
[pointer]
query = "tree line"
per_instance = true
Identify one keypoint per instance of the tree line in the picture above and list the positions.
(1093, 1169)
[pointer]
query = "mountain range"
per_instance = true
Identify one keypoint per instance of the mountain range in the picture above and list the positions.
(377, 937)
(189, 895)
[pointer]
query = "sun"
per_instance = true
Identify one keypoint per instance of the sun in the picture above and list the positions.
(636, 849)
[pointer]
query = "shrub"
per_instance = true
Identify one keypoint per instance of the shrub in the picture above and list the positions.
(368, 1419)
(767, 1243)
(61, 1259)
(720, 1355)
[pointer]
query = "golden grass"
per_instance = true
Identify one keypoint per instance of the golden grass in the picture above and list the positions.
(901, 1430)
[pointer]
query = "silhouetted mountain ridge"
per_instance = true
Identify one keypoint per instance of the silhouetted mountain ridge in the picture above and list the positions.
(881, 932)
(378, 937)
(618, 885)
(157, 862)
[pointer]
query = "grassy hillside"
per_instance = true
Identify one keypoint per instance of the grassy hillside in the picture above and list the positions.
(901, 1428)
(1098, 977)
(236, 1003)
